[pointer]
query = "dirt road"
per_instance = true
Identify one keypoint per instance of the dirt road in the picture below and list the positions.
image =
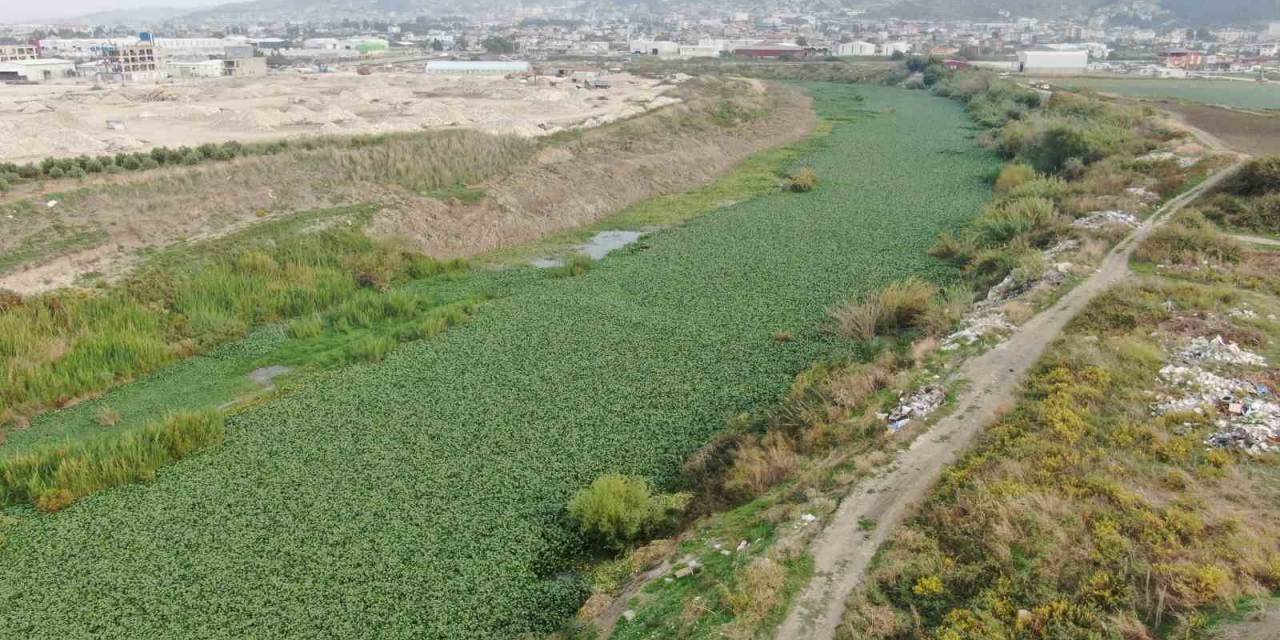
(843, 551)
(1266, 242)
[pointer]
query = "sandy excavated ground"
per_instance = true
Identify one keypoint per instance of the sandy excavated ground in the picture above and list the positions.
(39, 121)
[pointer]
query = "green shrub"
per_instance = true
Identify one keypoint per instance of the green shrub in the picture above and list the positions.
(55, 172)
(1047, 187)
(802, 180)
(1258, 177)
(901, 305)
(306, 327)
(576, 265)
(618, 510)
(956, 248)
(1189, 240)
(1014, 175)
(1012, 219)
(1260, 214)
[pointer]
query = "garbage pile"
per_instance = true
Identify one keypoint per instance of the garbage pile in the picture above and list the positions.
(1184, 162)
(1220, 351)
(1101, 219)
(1143, 194)
(920, 404)
(1248, 415)
(975, 328)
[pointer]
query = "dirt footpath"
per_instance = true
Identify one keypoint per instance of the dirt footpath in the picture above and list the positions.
(843, 551)
(60, 120)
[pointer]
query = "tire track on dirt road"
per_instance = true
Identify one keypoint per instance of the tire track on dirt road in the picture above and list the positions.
(843, 551)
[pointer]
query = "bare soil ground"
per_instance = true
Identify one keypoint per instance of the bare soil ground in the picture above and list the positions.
(1259, 625)
(577, 184)
(39, 121)
(101, 228)
(1248, 132)
(844, 550)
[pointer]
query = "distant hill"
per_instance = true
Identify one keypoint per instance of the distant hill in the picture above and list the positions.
(133, 16)
(1191, 12)
(1197, 12)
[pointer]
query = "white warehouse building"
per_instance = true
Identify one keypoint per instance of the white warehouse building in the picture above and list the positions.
(857, 48)
(1049, 61)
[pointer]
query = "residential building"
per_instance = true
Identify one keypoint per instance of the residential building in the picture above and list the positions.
(1183, 59)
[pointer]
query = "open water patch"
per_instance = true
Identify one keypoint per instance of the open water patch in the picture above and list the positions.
(599, 246)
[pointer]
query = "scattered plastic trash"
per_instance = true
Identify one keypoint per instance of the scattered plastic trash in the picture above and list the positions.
(1143, 194)
(975, 328)
(1249, 418)
(1219, 351)
(51, 204)
(1103, 219)
(1184, 162)
(923, 402)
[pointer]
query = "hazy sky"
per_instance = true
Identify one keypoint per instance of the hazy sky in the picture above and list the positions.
(22, 10)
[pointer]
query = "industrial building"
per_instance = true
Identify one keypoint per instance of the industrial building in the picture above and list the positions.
(36, 70)
(194, 68)
(244, 67)
(856, 48)
(134, 61)
(771, 51)
(660, 48)
(1050, 61)
(478, 67)
(15, 52)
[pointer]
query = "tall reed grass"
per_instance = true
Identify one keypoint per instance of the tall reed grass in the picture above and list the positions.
(57, 348)
(54, 477)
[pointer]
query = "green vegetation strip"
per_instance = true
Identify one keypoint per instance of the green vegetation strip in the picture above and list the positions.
(423, 495)
(1240, 94)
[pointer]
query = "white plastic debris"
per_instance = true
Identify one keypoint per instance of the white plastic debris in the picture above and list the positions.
(1143, 194)
(1220, 351)
(1248, 415)
(1183, 161)
(975, 328)
(920, 404)
(1102, 219)
(808, 518)
(51, 204)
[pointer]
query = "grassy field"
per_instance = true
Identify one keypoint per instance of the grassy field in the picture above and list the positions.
(423, 495)
(1095, 508)
(1230, 93)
